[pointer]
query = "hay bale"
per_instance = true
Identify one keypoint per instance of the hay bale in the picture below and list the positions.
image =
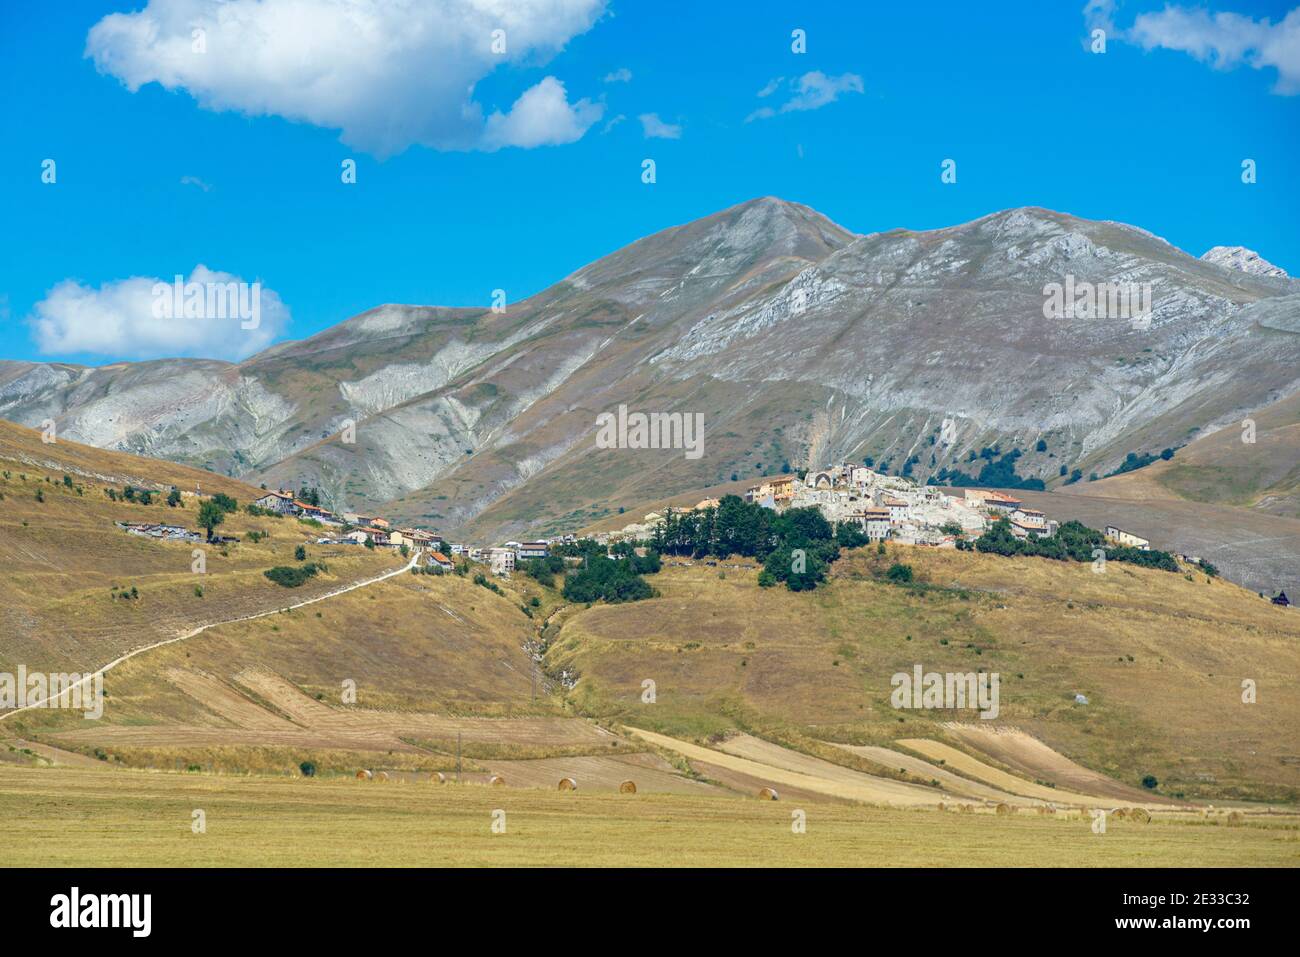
(1139, 814)
(568, 784)
(437, 778)
(627, 787)
(497, 781)
(382, 776)
(942, 806)
(1046, 809)
(768, 794)
(1236, 819)
(364, 775)
(1004, 809)
(967, 809)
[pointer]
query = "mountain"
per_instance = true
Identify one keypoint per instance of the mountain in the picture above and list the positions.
(798, 342)
(1247, 260)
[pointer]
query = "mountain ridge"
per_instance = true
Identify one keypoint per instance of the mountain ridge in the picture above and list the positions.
(798, 339)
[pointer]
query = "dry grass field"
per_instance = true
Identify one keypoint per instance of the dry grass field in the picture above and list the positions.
(1159, 656)
(132, 818)
(64, 561)
(417, 676)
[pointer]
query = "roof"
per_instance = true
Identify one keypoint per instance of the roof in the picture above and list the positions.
(890, 500)
(440, 558)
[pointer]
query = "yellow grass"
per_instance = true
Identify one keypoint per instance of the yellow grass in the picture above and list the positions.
(132, 818)
(1161, 659)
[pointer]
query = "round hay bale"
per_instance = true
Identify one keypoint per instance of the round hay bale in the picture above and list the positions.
(769, 794)
(1046, 809)
(942, 806)
(1139, 814)
(1236, 819)
(967, 809)
(437, 778)
(497, 781)
(1004, 809)
(382, 776)
(627, 787)
(364, 775)
(568, 784)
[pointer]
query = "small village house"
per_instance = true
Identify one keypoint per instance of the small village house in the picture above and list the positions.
(528, 550)
(873, 521)
(501, 560)
(279, 502)
(439, 560)
(1121, 537)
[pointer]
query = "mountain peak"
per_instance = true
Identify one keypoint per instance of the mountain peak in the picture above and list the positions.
(1244, 260)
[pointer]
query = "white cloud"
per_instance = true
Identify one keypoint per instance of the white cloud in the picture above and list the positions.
(811, 91)
(541, 117)
(126, 319)
(1223, 40)
(772, 86)
(386, 73)
(613, 123)
(621, 75)
(655, 128)
(195, 181)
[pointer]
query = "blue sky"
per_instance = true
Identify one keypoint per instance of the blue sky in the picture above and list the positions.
(237, 165)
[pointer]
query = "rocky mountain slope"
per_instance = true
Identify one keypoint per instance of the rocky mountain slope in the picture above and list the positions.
(798, 341)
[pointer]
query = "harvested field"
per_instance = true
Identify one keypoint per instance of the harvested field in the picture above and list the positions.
(652, 774)
(953, 783)
(972, 767)
(242, 721)
(782, 768)
(123, 818)
(1028, 756)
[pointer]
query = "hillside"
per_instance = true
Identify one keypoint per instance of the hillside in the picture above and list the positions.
(64, 563)
(798, 341)
(1159, 656)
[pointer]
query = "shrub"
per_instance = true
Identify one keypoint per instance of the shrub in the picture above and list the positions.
(900, 573)
(1149, 782)
(289, 577)
(300, 553)
(308, 769)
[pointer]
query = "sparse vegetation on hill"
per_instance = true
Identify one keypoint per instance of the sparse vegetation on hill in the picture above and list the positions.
(1133, 461)
(998, 471)
(796, 547)
(1073, 541)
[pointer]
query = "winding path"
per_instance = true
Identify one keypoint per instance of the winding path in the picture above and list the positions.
(212, 624)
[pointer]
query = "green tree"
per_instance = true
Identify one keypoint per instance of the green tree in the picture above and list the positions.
(210, 516)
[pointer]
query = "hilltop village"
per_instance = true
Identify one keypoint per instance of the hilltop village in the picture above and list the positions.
(891, 507)
(883, 507)
(879, 506)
